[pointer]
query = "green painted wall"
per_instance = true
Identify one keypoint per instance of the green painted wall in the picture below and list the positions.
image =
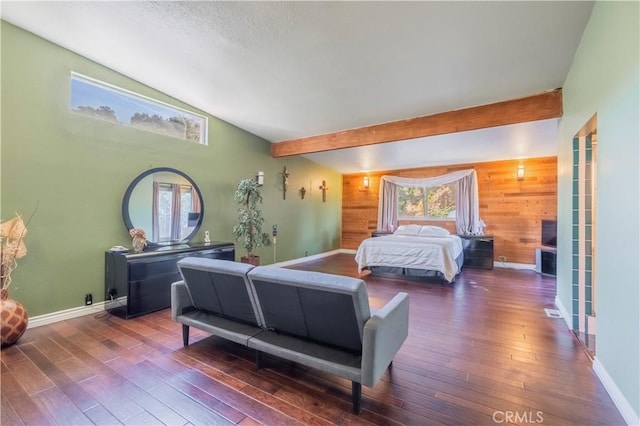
(76, 170)
(604, 79)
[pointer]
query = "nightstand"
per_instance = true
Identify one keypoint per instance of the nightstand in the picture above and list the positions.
(478, 251)
(380, 233)
(546, 260)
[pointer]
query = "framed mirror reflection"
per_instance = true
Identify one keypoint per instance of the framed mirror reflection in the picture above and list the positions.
(166, 203)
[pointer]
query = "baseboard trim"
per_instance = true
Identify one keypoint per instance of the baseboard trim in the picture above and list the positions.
(621, 403)
(565, 314)
(66, 314)
(313, 257)
(98, 307)
(500, 264)
(348, 251)
(628, 413)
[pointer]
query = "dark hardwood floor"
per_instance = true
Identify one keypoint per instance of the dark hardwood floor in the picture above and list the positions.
(480, 351)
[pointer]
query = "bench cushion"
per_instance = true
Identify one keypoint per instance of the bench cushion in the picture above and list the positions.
(325, 308)
(220, 287)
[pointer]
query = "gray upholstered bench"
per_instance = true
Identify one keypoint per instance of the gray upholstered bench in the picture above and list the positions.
(319, 320)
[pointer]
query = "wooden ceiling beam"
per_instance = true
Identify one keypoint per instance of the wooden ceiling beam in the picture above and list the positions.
(532, 108)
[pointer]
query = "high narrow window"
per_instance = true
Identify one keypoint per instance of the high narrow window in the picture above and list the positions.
(103, 101)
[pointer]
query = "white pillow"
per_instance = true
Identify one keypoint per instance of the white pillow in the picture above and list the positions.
(408, 230)
(433, 231)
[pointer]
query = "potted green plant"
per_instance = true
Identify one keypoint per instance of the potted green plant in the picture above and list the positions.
(248, 230)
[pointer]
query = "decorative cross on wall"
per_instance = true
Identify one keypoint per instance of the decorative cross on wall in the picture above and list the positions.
(285, 182)
(303, 191)
(324, 189)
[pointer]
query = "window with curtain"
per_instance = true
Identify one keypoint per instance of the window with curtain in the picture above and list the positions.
(428, 199)
(175, 202)
(164, 211)
(186, 207)
(427, 203)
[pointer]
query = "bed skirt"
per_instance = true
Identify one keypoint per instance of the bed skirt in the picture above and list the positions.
(411, 274)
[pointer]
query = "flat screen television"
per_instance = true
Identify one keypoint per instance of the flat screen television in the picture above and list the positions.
(549, 233)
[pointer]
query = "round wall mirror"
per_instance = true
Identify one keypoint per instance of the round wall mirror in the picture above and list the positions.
(165, 203)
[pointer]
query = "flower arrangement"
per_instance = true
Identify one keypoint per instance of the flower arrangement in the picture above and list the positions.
(138, 233)
(139, 239)
(12, 248)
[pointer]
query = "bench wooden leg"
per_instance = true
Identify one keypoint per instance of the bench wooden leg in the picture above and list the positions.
(258, 360)
(185, 335)
(356, 397)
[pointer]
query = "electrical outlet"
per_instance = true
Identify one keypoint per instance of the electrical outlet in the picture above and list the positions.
(88, 299)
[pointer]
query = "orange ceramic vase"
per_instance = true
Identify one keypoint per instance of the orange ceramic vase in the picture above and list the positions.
(13, 318)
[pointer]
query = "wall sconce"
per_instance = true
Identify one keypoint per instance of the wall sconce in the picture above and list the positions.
(365, 182)
(520, 172)
(260, 178)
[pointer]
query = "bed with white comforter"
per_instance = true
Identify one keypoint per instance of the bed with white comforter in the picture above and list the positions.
(408, 252)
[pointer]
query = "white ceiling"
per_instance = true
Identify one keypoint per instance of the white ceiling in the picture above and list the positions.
(285, 70)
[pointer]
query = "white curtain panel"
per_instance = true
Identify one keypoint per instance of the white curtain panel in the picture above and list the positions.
(388, 205)
(467, 205)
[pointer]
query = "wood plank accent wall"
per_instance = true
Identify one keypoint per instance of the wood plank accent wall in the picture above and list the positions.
(512, 209)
